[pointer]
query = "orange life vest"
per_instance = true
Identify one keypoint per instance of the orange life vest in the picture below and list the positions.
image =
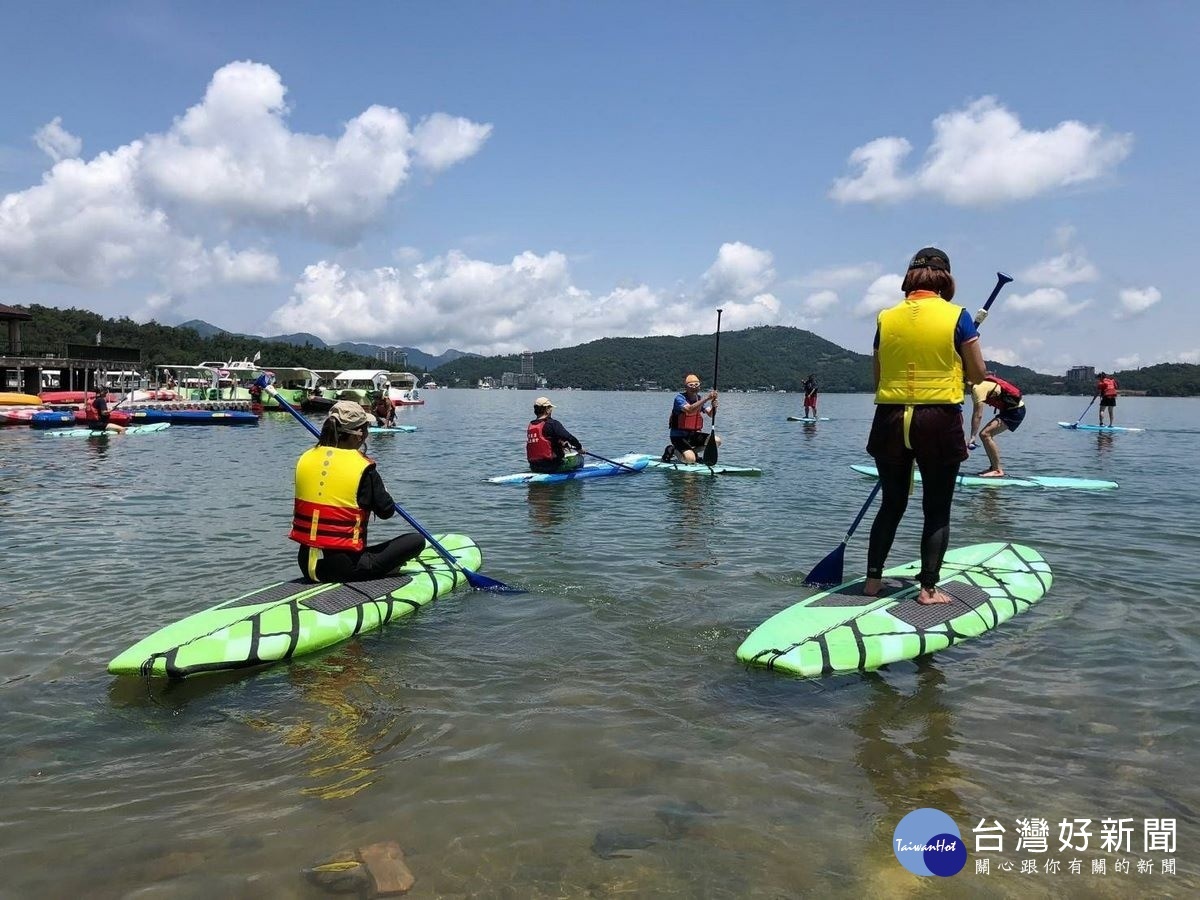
(683, 421)
(1107, 387)
(326, 514)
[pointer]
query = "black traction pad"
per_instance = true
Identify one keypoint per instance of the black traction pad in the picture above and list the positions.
(355, 593)
(921, 615)
(852, 595)
(273, 594)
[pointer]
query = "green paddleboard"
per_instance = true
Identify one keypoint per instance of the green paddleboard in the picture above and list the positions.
(291, 618)
(841, 630)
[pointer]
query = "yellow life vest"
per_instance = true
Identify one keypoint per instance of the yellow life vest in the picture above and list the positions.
(918, 362)
(326, 514)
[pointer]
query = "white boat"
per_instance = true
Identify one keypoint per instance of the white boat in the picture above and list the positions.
(402, 389)
(357, 384)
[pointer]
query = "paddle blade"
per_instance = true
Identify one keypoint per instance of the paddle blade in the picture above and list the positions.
(710, 450)
(483, 583)
(829, 570)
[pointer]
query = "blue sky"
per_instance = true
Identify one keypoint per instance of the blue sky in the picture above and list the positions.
(495, 177)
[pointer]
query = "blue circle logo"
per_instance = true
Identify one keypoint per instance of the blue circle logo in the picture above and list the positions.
(927, 842)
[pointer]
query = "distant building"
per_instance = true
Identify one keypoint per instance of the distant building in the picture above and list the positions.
(527, 362)
(1080, 376)
(396, 357)
(508, 380)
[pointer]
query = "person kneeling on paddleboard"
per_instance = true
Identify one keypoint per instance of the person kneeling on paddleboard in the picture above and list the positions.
(546, 442)
(687, 420)
(1004, 397)
(337, 489)
(922, 347)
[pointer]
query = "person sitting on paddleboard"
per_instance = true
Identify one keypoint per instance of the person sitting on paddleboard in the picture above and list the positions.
(1106, 390)
(1004, 397)
(810, 397)
(687, 420)
(922, 347)
(546, 442)
(103, 416)
(337, 489)
(385, 413)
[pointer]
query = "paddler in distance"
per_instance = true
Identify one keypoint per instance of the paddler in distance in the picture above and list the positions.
(687, 420)
(546, 442)
(1106, 390)
(923, 345)
(337, 489)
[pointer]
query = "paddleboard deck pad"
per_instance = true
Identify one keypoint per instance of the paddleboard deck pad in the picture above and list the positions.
(699, 468)
(635, 461)
(90, 433)
(841, 630)
(291, 618)
(1044, 481)
(1075, 426)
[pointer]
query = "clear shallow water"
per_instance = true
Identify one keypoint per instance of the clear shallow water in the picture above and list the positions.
(594, 736)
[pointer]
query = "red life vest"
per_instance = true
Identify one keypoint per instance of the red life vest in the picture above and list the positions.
(1009, 396)
(537, 448)
(683, 421)
(1107, 387)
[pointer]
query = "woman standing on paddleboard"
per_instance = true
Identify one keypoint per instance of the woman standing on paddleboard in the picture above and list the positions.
(922, 347)
(337, 489)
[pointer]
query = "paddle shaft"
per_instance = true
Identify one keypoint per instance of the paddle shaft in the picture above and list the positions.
(473, 578)
(611, 462)
(710, 446)
(1085, 411)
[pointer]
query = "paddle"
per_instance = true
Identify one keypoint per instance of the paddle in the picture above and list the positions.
(830, 569)
(475, 579)
(710, 446)
(611, 462)
(1084, 413)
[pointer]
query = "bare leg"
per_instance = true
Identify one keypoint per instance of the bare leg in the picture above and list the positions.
(988, 439)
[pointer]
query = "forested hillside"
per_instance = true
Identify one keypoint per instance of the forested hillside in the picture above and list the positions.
(52, 328)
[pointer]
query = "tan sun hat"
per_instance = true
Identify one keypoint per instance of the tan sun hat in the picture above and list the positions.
(349, 416)
(543, 403)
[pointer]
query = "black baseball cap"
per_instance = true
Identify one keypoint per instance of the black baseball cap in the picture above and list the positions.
(930, 258)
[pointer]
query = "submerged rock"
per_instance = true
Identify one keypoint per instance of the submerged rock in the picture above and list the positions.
(611, 843)
(377, 870)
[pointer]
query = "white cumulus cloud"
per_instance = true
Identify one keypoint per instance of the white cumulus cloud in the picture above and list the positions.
(1063, 270)
(1129, 362)
(160, 207)
(981, 155)
(883, 292)
(1046, 303)
(1003, 355)
(530, 302)
(56, 142)
(836, 277)
(1135, 301)
(816, 305)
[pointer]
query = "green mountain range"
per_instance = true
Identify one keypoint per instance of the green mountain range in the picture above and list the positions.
(769, 358)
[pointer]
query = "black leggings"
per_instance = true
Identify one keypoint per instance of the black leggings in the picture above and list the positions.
(374, 562)
(937, 493)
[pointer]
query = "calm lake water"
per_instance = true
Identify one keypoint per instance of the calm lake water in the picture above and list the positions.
(594, 736)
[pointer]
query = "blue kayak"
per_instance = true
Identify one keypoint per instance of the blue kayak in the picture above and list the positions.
(631, 461)
(1075, 426)
(193, 417)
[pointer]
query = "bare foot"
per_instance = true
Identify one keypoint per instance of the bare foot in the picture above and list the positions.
(930, 596)
(872, 587)
(992, 473)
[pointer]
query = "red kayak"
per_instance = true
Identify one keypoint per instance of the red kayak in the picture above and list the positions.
(117, 417)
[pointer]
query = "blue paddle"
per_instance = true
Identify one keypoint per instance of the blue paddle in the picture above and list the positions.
(1084, 413)
(611, 462)
(831, 569)
(475, 579)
